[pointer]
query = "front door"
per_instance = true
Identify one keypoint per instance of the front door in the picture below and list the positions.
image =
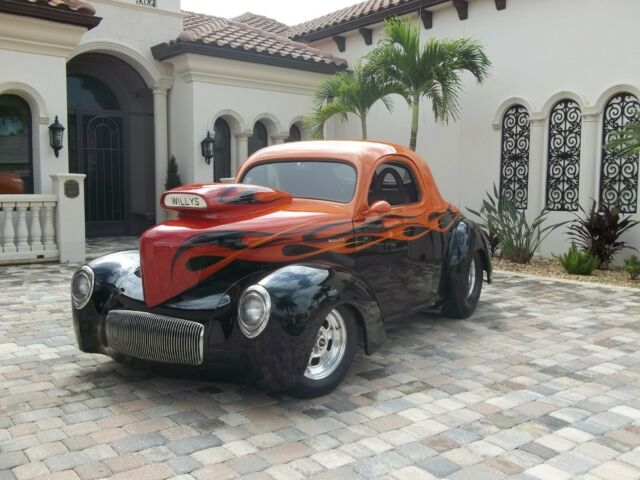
(96, 148)
(403, 273)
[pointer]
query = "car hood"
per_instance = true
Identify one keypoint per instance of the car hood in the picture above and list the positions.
(177, 255)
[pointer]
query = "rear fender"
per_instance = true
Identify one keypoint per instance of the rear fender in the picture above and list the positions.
(464, 238)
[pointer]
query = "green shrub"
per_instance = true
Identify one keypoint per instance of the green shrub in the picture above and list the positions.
(508, 228)
(521, 238)
(599, 231)
(173, 177)
(632, 267)
(577, 262)
(490, 210)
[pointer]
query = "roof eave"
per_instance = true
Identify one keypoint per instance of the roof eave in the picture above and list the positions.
(164, 51)
(366, 20)
(53, 14)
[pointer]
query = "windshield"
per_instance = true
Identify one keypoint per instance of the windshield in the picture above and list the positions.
(321, 180)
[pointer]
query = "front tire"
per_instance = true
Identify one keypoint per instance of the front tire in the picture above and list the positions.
(331, 356)
(463, 292)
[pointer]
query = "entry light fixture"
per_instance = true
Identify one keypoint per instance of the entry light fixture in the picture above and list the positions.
(56, 131)
(207, 148)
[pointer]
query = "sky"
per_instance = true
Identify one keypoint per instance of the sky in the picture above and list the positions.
(289, 12)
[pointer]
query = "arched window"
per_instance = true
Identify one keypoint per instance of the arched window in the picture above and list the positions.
(514, 159)
(563, 163)
(88, 93)
(15, 139)
(221, 150)
(259, 138)
(619, 175)
(294, 134)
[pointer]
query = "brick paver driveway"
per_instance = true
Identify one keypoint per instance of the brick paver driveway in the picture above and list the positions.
(542, 382)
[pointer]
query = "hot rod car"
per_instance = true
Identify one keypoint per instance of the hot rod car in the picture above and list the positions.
(311, 252)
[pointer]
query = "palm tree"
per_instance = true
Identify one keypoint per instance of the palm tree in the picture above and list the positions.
(348, 92)
(626, 142)
(432, 70)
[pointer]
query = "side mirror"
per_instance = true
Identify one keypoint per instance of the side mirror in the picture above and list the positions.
(379, 207)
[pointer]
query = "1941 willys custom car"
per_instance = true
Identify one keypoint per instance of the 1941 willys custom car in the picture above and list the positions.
(311, 252)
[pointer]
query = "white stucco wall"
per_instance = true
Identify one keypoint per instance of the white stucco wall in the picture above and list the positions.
(538, 49)
(33, 53)
(128, 31)
(242, 93)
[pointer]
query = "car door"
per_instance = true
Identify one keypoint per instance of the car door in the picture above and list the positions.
(398, 258)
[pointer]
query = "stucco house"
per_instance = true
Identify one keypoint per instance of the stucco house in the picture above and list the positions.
(134, 82)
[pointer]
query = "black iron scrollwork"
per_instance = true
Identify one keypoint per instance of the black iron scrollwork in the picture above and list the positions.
(618, 174)
(514, 161)
(563, 169)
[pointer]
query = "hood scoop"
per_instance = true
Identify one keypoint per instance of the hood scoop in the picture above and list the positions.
(222, 201)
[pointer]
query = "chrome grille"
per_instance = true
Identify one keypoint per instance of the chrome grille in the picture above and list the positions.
(155, 337)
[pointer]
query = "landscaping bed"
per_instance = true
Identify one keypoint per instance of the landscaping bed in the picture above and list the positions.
(551, 268)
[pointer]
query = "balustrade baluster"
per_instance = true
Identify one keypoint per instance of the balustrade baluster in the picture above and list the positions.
(35, 232)
(49, 231)
(8, 245)
(22, 233)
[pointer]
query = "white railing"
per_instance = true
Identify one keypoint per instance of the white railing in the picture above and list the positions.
(27, 228)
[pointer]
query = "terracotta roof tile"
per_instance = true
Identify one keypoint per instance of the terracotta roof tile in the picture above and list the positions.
(265, 23)
(343, 15)
(250, 32)
(80, 6)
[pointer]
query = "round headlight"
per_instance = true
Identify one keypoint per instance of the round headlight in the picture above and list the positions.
(82, 287)
(253, 310)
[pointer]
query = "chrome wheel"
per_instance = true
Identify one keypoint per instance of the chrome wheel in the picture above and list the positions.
(328, 351)
(472, 278)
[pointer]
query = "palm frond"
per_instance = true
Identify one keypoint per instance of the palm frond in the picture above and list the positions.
(626, 141)
(318, 117)
(433, 69)
(346, 92)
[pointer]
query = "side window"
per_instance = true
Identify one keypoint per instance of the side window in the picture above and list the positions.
(393, 182)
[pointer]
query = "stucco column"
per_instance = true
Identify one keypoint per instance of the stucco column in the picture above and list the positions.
(243, 150)
(69, 216)
(537, 165)
(590, 158)
(160, 129)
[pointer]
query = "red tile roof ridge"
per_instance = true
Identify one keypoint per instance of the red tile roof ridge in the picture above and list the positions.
(80, 6)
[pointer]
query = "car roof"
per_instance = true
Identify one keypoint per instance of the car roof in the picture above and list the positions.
(358, 152)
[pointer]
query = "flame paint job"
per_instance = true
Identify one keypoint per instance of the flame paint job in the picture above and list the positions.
(258, 224)
(310, 255)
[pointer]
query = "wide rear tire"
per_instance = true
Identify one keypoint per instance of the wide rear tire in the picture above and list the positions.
(463, 293)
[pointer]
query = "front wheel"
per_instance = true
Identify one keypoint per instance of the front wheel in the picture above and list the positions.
(463, 292)
(331, 356)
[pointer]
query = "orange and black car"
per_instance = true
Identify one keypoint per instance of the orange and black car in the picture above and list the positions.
(314, 249)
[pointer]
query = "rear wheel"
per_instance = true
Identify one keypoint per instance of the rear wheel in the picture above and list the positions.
(463, 292)
(331, 356)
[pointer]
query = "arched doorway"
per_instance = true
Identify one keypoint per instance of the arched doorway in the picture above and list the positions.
(15, 139)
(222, 150)
(259, 139)
(295, 135)
(110, 129)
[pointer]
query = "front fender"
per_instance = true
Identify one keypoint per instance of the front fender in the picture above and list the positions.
(297, 291)
(112, 273)
(300, 296)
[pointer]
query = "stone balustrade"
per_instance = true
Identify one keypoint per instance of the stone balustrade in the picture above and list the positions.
(44, 227)
(27, 227)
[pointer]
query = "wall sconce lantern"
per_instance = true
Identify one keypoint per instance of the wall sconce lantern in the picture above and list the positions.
(207, 148)
(56, 130)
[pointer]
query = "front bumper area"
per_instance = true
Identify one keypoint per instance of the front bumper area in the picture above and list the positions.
(274, 360)
(155, 337)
